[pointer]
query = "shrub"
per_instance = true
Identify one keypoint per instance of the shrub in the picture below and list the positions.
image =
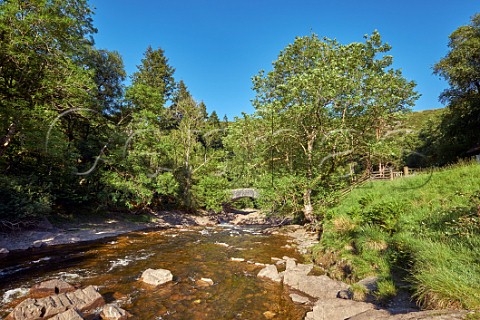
(211, 192)
(23, 198)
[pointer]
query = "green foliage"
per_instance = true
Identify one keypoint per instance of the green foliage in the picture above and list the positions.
(473, 316)
(456, 136)
(56, 91)
(316, 101)
(109, 73)
(359, 292)
(23, 199)
(386, 291)
(211, 192)
(283, 197)
(383, 214)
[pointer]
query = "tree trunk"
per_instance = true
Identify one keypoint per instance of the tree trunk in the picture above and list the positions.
(307, 194)
(307, 205)
(5, 141)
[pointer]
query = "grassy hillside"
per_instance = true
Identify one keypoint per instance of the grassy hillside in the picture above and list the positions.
(424, 230)
(418, 119)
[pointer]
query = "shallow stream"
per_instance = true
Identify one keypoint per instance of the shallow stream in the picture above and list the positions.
(116, 264)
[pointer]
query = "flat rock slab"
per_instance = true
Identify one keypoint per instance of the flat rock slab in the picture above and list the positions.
(156, 277)
(51, 287)
(320, 287)
(421, 315)
(44, 308)
(68, 315)
(337, 309)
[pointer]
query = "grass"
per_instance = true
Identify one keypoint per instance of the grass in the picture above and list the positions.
(473, 316)
(423, 229)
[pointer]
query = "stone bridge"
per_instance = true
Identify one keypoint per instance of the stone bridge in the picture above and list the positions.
(244, 193)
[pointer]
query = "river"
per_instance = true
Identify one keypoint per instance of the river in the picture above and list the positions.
(192, 253)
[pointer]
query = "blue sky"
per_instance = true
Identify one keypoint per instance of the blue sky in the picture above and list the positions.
(216, 46)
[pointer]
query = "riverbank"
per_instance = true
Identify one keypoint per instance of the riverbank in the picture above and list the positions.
(96, 227)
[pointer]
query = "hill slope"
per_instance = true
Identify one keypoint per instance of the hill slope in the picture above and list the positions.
(424, 230)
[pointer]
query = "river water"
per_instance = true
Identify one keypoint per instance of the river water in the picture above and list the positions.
(116, 264)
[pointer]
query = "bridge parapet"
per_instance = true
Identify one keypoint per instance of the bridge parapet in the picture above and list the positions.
(244, 193)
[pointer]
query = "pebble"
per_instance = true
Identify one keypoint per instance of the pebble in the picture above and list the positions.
(237, 259)
(207, 280)
(269, 314)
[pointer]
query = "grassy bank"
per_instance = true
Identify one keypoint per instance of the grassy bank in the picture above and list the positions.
(422, 231)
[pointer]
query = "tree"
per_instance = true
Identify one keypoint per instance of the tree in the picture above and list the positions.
(323, 102)
(203, 110)
(215, 132)
(47, 89)
(142, 165)
(42, 43)
(152, 86)
(461, 69)
(188, 155)
(109, 74)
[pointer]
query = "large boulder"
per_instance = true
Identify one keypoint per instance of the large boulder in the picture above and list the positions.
(51, 287)
(113, 312)
(337, 309)
(320, 287)
(156, 277)
(44, 308)
(270, 272)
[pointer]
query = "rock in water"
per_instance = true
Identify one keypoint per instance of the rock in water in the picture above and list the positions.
(299, 299)
(51, 287)
(44, 308)
(156, 277)
(270, 272)
(113, 312)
